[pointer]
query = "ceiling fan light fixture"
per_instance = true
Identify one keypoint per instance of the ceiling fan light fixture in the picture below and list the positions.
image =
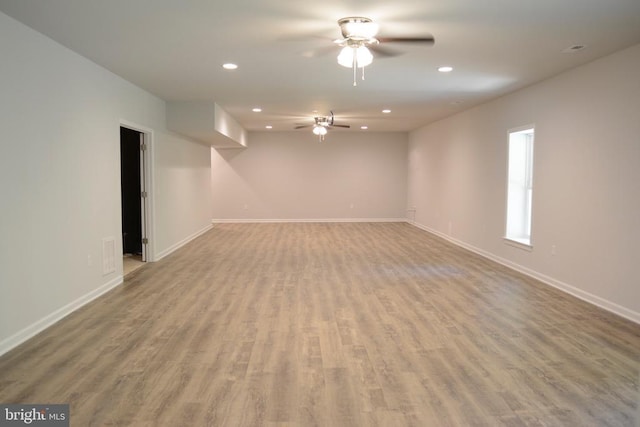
(364, 56)
(345, 58)
(355, 56)
(319, 130)
(358, 33)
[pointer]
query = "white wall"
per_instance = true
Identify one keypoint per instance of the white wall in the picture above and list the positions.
(586, 179)
(292, 176)
(182, 192)
(60, 178)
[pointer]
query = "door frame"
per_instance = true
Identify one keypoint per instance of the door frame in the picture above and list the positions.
(147, 177)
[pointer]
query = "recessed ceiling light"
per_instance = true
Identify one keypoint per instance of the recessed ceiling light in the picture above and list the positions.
(257, 110)
(445, 69)
(364, 127)
(386, 111)
(269, 127)
(229, 66)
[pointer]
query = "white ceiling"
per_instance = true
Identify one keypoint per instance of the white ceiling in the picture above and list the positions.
(175, 49)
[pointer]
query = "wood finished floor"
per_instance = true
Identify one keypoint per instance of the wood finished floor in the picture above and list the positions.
(331, 325)
(131, 263)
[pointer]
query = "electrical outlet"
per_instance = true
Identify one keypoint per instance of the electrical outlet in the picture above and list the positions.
(553, 249)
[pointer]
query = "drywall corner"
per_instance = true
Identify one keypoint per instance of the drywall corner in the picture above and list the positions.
(205, 122)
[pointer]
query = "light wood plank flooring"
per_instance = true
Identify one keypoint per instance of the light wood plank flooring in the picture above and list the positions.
(331, 325)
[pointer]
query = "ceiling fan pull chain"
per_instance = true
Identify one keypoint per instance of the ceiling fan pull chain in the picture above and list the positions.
(355, 68)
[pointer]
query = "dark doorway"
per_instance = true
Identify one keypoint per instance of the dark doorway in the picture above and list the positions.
(130, 171)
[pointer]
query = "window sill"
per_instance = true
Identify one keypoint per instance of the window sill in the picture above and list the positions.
(520, 244)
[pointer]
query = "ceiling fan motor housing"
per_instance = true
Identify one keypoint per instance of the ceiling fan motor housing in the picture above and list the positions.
(357, 28)
(322, 121)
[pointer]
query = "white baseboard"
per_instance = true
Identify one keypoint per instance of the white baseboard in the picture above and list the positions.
(183, 242)
(47, 321)
(254, 221)
(565, 287)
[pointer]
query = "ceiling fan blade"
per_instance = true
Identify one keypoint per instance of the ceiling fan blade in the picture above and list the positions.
(383, 52)
(340, 126)
(322, 51)
(426, 39)
(302, 126)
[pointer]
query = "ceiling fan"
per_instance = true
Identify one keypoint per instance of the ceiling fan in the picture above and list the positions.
(322, 125)
(359, 38)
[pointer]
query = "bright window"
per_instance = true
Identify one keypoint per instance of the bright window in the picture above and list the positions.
(520, 186)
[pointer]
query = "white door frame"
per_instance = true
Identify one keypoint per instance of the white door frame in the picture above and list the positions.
(146, 176)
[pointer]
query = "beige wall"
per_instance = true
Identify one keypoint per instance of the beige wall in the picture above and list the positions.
(292, 176)
(586, 201)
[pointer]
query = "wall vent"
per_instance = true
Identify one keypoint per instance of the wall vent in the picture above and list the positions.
(108, 255)
(574, 48)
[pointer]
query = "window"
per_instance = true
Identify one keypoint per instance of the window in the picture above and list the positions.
(520, 186)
